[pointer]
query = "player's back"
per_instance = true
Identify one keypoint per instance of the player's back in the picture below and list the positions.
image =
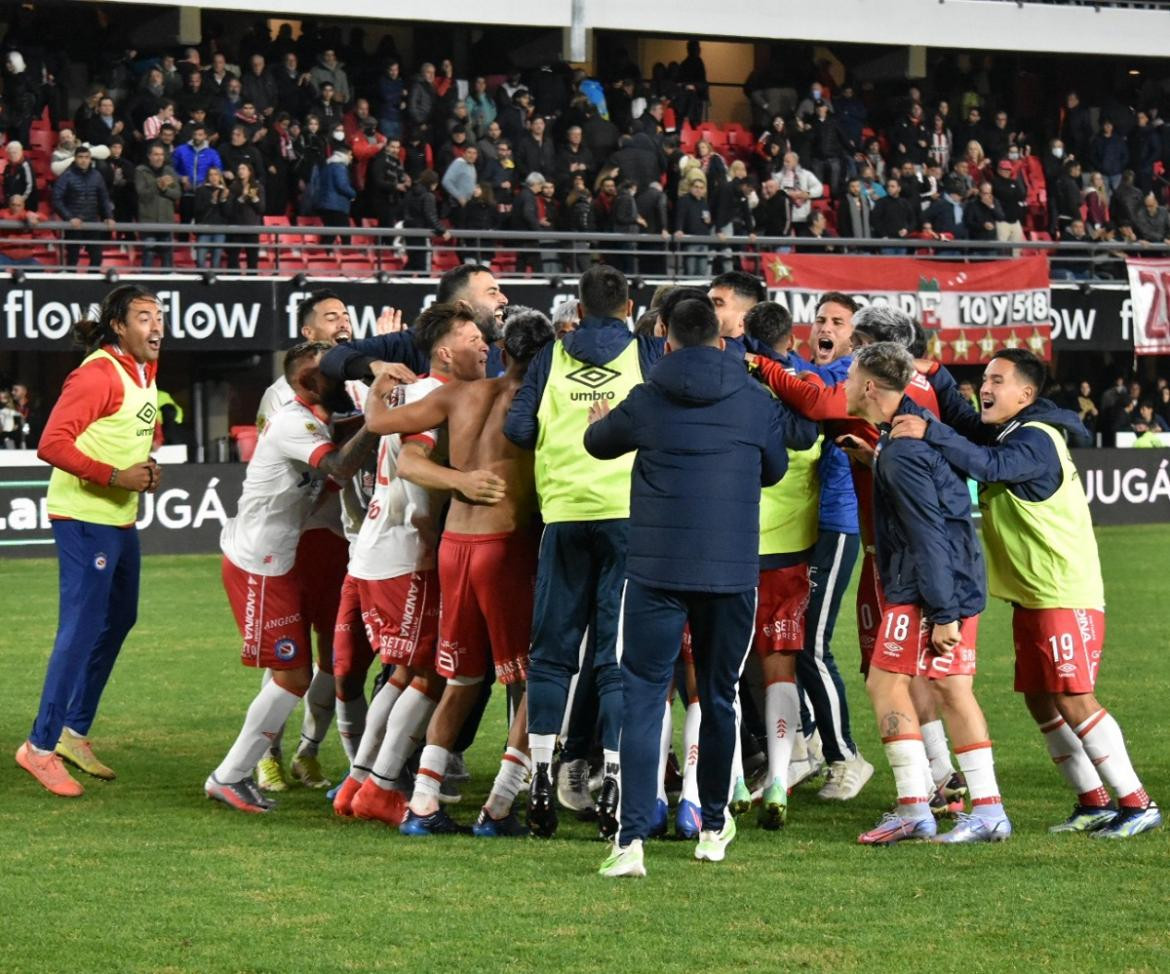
(475, 426)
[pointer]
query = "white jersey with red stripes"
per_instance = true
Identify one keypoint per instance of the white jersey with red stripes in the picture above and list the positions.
(281, 488)
(400, 534)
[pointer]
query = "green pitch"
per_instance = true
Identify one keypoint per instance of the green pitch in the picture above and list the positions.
(145, 874)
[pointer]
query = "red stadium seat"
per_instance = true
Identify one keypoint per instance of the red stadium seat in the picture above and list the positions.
(245, 438)
(42, 140)
(443, 259)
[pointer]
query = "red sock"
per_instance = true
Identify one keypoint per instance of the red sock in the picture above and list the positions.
(1097, 798)
(1135, 799)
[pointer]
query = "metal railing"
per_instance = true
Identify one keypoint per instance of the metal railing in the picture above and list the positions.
(377, 252)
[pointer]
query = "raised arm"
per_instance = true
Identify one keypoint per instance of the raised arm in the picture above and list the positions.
(419, 416)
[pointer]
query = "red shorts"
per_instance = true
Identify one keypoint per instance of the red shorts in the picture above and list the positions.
(1057, 650)
(322, 557)
(688, 647)
(268, 611)
(352, 653)
(401, 617)
(869, 608)
(903, 645)
(488, 581)
(780, 609)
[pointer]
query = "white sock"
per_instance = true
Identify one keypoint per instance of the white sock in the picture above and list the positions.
(375, 731)
(612, 760)
(782, 720)
(978, 767)
(432, 767)
(938, 753)
(1068, 754)
(907, 758)
(514, 768)
(268, 712)
(405, 730)
(351, 724)
(320, 701)
(542, 746)
(664, 739)
(1105, 746)
(690, 787)
(274, 748)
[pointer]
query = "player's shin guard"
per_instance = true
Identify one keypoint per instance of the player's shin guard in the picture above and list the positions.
(404, 732)
(907, 758)
(978, 766)
(269, 710)
(375, 733)
(320, 701)
(1068, 754)
(690, 787)
(275, 743)
(782, 717)
(514, 770)
(1105, 746)
(351, 724)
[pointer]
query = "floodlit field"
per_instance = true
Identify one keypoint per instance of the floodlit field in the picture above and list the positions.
(145, 874)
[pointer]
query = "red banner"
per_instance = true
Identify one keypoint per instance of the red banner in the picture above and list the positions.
(1149, 289)
(971, 309)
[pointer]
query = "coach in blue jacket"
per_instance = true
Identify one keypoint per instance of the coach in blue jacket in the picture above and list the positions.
(707, 438)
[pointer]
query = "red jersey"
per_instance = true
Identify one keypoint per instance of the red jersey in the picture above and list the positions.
(810, 397)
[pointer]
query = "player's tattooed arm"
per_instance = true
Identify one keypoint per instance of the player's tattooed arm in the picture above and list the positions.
(344, 463)
(895, 723)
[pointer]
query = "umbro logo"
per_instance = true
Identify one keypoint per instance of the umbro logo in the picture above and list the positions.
(594, 376)
(147, 413)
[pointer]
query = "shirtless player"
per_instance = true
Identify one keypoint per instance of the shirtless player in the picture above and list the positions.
(487, 569)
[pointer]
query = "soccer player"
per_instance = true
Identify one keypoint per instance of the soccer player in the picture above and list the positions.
(283, 483)
(395, 562)
(98, 440)
(931, 569)
(1042, 557)
(487, 565)
(930, 388)
(704, 436)
(788, 527)
(831, 563)
(320, 564)
(585, 505)
(733, 294)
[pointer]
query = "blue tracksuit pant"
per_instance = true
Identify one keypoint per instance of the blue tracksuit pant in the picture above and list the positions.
(578, 584)
(98, 579)
(817, 675)
(722, 627)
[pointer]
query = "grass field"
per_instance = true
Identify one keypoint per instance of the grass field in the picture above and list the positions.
(145, 874)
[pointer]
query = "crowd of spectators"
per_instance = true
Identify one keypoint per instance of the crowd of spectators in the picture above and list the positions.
(17, 421)
(314, 129)
(1125, 407)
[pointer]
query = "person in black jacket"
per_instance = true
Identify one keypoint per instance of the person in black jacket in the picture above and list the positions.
(931, 568)
(981, 214)
(422, 211)
(893, 217)
(705, 436)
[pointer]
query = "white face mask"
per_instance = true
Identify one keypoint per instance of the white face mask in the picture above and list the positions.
(339, 134)
(1013, 155)
(1058, 151)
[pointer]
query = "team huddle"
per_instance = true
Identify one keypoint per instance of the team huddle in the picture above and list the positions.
(596, 518)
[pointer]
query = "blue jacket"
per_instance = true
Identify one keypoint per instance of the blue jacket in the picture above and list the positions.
(1024, 459)
(597, 341)
(707, 438)
(82, 195)
(334, 191)
(192, 163)
(351, 360)
(927, 551)
(838, 498)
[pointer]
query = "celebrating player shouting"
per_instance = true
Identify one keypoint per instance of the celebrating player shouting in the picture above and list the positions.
(98, 440)
(1042, 557)
(283, 483)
